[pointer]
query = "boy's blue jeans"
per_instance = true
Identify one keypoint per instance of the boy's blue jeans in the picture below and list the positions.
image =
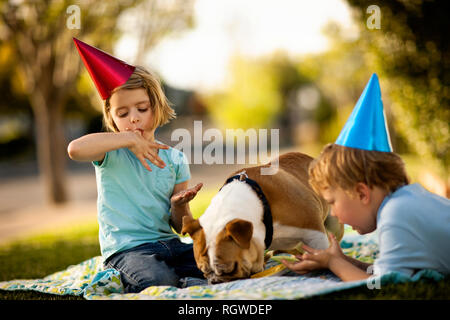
(168, 263)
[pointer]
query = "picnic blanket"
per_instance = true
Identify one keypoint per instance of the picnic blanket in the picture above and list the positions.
(89, 280)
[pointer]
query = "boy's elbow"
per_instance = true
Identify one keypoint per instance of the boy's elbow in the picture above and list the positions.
(73, 150)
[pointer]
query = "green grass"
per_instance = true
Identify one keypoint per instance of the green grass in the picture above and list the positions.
(421, 290)
(199, 204)
(38, 256)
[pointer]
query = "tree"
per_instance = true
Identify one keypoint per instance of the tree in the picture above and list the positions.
(411, 53)
(49, 65)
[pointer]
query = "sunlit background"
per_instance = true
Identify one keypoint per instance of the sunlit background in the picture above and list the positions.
(296, 66)
(199, 58)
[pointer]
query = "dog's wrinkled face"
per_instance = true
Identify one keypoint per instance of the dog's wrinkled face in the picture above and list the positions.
(230, 255)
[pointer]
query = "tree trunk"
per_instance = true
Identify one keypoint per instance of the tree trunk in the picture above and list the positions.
(50, 144)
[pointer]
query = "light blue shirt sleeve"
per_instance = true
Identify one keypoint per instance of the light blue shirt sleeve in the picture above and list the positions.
(181, 167)
(396, 246)
(413, 228)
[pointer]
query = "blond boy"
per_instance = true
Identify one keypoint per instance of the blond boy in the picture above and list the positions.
(367, 187)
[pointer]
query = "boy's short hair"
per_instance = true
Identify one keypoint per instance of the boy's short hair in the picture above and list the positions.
(141, 78)
(344, 167)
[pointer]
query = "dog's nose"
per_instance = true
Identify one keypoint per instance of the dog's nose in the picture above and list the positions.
(214, 280)
(224, 268)
(220, 268)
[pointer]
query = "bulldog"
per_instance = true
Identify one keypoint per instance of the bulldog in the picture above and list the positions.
(253, 212)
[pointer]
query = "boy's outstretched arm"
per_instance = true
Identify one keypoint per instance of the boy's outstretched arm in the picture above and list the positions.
(357, 263)
(93, 147)
(332, 258)
(180, 203)
(347, 271)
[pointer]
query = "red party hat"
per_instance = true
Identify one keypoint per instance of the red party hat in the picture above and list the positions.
(106, 71)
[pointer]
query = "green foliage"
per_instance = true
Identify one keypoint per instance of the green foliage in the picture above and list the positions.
(253, 91)
(411, 53)
(340, 74)
(199, 204)
(265, 93)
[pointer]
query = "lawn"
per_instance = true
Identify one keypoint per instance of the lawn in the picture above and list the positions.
(38, 256)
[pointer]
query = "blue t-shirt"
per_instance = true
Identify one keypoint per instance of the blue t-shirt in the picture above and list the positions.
(133, 203)
(413, 227)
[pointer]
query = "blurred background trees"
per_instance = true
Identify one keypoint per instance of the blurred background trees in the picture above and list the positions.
(310, 97)
(49, 99)
(411, 53)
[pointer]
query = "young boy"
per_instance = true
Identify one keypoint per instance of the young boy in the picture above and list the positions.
(142, 185)
(366, 185)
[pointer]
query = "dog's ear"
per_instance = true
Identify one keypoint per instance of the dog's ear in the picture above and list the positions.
(190, 225)
(240, 231)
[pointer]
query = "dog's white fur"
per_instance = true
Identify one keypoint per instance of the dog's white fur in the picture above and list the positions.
(287, 237)
(238, 200)
(235, 200)
(229, 236)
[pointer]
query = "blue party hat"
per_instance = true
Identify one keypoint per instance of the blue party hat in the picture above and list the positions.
(366, 128)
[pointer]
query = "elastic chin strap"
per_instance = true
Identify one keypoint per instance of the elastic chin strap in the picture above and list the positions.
(267, 217)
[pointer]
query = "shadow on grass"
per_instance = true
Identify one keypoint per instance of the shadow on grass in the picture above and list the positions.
(421, 290)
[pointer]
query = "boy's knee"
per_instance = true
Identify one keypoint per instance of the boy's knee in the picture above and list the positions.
(149, 271)
(135, 286)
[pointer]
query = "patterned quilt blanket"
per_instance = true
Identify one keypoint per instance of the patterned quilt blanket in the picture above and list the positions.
(90, 280)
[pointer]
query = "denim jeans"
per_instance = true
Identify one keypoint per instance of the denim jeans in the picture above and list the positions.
(168, 263)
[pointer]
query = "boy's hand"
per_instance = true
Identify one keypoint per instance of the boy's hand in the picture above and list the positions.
(315, 259)
(144, 149)
(185, 196)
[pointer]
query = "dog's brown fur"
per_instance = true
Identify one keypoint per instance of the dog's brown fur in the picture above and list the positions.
(292, 202)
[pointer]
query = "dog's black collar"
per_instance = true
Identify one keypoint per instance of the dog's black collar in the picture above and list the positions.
(267, 218)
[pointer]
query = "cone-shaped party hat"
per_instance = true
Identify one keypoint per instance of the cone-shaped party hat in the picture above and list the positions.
(106, 71)
(366, 128)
